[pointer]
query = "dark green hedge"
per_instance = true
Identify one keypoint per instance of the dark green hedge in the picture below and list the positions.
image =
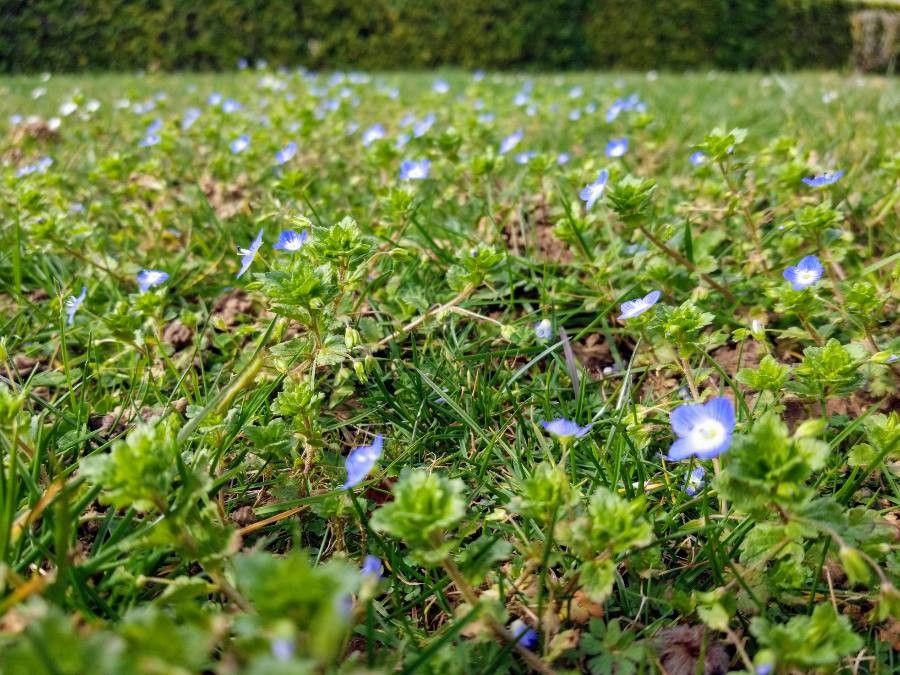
(61, 35)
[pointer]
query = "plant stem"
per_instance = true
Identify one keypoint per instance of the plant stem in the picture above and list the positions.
(745, 211)
(689, 375)
(675, 255)
(460, 297)
(814, 334)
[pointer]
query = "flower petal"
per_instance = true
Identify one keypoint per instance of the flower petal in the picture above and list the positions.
(686, 417)
(721, 409)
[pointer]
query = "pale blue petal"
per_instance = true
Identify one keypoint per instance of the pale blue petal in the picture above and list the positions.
(679, 450)
(721, 409)
(686, 417)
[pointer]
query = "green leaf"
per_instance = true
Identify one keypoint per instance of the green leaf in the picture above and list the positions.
(809, 642)
(769, 375)
(767, 465)
(139, 471)
(426, 507)
(610, 524)
(597, 579)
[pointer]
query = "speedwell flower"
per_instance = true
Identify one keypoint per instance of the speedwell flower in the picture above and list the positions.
(565, 430)
(633, 308)
(286, 154)
(414, 169)
(73, 303)
(229, 106)
(525, 157)
(291, 241)
(591, 193)
(361, 460)
(374, 133)
(805, 273)
(543, 329)
(823, 179)
(147, 279)
(248, 254)
(421, 127)
(525, 636)
(695, 481)
(617, 147)
(239, 144)
(511, 141)
(697, 158)
(191, 115)
(703, 429)
(372, 568)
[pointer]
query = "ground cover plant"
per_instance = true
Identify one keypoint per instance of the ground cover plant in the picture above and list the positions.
(467, 373)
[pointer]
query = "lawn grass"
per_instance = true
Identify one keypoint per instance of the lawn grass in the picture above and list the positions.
(171, 487)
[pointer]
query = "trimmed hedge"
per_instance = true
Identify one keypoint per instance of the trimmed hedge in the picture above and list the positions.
(61, 35)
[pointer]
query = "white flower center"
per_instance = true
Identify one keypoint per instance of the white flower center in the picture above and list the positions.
(807, 277)
(707, 435)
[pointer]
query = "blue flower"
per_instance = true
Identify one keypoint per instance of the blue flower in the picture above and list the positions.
(617, 147)
(291, 241)
(613, 111)
(633, 308)
(73, 303)
(421, 127)
(524, 635)
(697, 158)
(822, 179)
(440, 87)
(248, 254)
(286, 154)
(361, 460)
(511, 141)
(242, 64)
(563, 158)
(149, 141)
(39, 166)
(564, 429)
(486, 118)
(591, 193)
(525, 157)
(401, 141)
(576, 92)
(372, 568)
(703, 429)
(415, 169)
(543, 329)
(282, 649)
(574, 115)
(695, 481)
(239, 144)
(620, 105)
(805, 273)
(372, 134)
(478, 75)
(191, 115)
(147, 279)
(229, 105)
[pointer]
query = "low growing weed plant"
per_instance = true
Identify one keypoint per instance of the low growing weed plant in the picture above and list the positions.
(345, 373)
